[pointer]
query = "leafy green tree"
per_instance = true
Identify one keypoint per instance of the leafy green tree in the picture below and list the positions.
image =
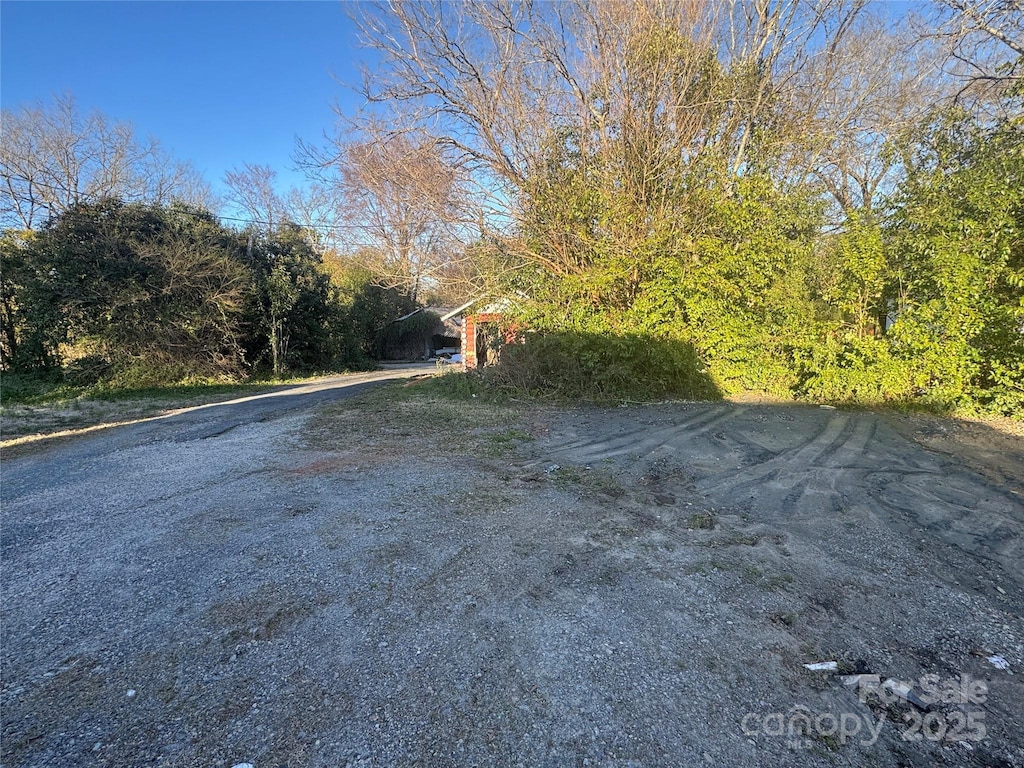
(957, 241)
(295, 314)
(28, 316)
(372, 310)
(856, 275)
(139, 290)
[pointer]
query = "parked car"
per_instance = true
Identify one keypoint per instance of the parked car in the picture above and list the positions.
(445, 356)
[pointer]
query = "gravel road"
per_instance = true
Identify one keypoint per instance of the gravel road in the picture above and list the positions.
(395, 579)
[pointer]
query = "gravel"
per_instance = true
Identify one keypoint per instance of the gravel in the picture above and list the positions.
(400, 580)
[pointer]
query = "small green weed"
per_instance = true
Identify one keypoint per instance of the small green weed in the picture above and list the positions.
(701, 521)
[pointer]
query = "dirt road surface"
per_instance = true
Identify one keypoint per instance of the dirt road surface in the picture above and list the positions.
(400, 580)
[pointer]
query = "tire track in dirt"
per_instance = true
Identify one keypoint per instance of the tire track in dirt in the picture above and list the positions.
(958, 511)
(853, 449)
(639, 441)
(670, 446)
(791, 463)
(824, 463)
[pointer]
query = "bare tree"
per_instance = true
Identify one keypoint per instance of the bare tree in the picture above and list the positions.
(878, 83)
(657, 84)
(853, 99)
(984, 40)
(315, 209)
(468, 74)
(252, 190)
(401, 202)
(54, 156)
(161, 179)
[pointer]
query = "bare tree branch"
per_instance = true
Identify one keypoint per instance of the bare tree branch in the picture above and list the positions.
(53, 156)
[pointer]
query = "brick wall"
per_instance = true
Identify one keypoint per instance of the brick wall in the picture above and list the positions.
(469, 326)
(469, 341)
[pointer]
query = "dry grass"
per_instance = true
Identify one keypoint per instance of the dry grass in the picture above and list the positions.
(410, 418)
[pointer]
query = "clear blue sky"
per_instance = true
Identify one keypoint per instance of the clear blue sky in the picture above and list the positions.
(218, 83)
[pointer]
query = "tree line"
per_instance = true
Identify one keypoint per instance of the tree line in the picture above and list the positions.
(139, 294)
(115, 270)
(817, 199)
(811, 197)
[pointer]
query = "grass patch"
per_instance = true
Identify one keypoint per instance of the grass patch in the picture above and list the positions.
(567, 475)
(708, 567)
(593, 481)
(419, 417)
(25, 389)
(701, 521)
(769, 581)
(174, 392)
(37, 389)
(46, 388)
(505, 442)
(457, 385)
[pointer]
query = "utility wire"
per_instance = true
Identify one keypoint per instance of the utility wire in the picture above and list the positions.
(96, 198)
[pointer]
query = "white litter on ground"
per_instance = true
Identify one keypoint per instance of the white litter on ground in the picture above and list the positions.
(999, 662)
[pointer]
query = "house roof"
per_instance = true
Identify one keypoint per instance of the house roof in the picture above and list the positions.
(439, 311)
(495, 307)
(451, 327)
(462, 309)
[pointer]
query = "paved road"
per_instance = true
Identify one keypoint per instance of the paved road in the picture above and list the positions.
(206, 421)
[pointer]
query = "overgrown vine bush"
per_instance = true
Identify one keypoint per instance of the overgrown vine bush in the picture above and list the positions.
(918, 302)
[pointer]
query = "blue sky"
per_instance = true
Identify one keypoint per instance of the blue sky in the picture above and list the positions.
(218, 83)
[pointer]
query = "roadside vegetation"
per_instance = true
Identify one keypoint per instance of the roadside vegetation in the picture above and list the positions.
(114, 300)
(810, 200)
(801, 199)
(429, 417)
(70, 410)
(35, 389)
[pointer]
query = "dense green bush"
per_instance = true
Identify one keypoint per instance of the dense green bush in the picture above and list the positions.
(920, 300)
(956, 249)
(408, 338)
(854, 370)
(112, 288)
(602, 367)
(371, 311)
(134, 296)
(295, 319)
